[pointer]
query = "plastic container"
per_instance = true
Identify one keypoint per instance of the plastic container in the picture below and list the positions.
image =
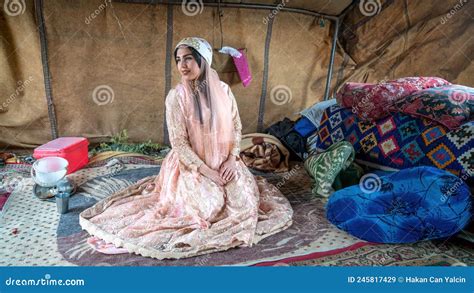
(73, 149)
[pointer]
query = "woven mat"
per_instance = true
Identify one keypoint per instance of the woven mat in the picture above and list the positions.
(32, 233)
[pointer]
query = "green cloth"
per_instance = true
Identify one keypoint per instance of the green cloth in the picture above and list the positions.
(325, 167)
(348, 177)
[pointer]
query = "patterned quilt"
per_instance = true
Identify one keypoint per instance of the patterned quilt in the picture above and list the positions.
(401, 141)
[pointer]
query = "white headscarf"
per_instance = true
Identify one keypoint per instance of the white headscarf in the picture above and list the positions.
(201, 45)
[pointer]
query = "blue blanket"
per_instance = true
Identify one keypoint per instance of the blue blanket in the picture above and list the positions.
(411, 205)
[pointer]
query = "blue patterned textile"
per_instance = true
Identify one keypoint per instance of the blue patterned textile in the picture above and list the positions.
(410, 205)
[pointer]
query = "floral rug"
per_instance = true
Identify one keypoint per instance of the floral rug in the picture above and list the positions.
(32, 233)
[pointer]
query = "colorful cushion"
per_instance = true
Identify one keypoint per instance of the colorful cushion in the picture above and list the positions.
(372, 101)
(401, 141)
(312, 143)
(324, 167)
(408, 206)
(450, 105)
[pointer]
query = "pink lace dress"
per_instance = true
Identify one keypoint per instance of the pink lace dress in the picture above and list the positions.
(180, 213)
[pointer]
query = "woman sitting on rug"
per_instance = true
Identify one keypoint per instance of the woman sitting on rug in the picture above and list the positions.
(204, 198)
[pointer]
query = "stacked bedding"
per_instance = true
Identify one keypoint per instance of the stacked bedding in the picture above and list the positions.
(405, 123)
(422, 126)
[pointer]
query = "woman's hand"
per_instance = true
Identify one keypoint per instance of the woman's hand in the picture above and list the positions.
(211, 174)
(228, 169)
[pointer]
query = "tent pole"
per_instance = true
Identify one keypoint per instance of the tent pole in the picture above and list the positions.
(266, 56)
(169, 52)
(46, 73)
(331, 60)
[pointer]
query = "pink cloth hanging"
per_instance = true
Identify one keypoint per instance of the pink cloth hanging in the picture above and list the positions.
(243, 69)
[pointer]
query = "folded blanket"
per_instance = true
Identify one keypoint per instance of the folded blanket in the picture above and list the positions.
(450, 105)
(401, 141)
(372, 101)
(264, 152)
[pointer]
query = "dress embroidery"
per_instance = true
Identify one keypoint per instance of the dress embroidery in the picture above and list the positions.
(181, 213)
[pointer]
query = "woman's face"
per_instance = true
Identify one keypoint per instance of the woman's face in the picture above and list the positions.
(187, 65)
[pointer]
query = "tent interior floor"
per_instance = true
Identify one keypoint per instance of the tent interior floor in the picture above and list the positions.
(311, 241)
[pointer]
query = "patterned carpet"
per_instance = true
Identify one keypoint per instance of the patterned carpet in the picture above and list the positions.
(32, 233)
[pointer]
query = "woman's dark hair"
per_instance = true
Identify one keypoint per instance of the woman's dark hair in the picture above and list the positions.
(203, 87)
(194, 52)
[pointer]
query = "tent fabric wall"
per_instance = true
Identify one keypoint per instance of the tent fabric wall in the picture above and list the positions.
(411, 38)
(108, 71)
(107, 63)
(108, 60)
(24, 120)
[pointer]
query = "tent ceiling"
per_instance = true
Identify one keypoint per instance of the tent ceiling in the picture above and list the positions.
(330, 7)
(325, 7)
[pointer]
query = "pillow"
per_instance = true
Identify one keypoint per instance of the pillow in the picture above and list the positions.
(449, 105)
(407, 206)
(324, 167)
(371, 101)
(312, 143)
